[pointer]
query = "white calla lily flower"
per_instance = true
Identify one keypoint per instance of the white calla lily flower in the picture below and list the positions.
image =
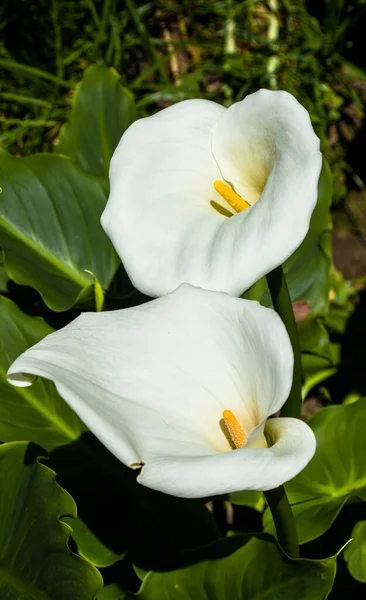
(183, 387)
(212, 196)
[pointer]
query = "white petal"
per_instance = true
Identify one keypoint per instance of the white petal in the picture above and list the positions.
(159, 215)
(162, 176)
(266, 148)
(245, 469)
(153, 380)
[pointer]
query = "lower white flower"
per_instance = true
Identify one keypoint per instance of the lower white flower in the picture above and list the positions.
(183, 387)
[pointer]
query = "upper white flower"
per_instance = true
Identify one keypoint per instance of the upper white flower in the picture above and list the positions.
(175, 384)
(176, 178)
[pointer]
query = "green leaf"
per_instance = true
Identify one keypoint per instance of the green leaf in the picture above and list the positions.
(35, 413)
(101, 112)
(50, 228)
(35, 562)
(257, 570)
(312, 33)
(114, 592)
(125, 515)
(90, 546)
(308, 269)
(248, 498)
(314, 339)
(4, 278)
(319, 358)
(334, 475)
(355, 552)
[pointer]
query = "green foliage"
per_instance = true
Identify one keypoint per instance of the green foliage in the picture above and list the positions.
(248, 498)
(168, 52)
(308, 269)
(114, 592)
(355, 552)
(48, 247)
(101, 112)
(234, 576)
(334, 475)
(89, 546)
(125, 517)
(34, 559)
(37, 413)
(71, 71)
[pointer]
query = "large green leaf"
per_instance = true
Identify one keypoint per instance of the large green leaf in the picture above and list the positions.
(249, 498)
(355, 552)
(319, 357)
(35, 562)
(256, 571)
(4, 277)
(50, 228)
(308, 269)
(334, 475)
(125, 516)
(101, 112)
(90, 546)
(37, 413)
(114, 592)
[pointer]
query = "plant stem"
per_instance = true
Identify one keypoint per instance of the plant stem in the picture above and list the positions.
(145, 38)
(93, 12)
(283, 306)
(284, 521)
(28, 71)
(58, 39)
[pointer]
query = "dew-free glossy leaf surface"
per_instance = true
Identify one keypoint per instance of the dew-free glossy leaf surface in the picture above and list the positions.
(249, 498)
(256, 571)
(35, 562)
(336, 472)
(308, 270)
(90, 546)
(114, 592)
(126, 516)
(355, 552)
(50, 228)
(101, 112)
(36, 413)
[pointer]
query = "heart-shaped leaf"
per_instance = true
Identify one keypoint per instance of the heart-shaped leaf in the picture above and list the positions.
(355, 552)
(249, 498)
(35, 561)
(114, 592)
(90, 546)
(308, 270)
(336, 472)
(101, 112)
(257, 570)
(37, 413)
(50, 228)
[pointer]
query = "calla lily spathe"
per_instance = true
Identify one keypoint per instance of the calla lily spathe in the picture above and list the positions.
(176, 178)
(154, 383)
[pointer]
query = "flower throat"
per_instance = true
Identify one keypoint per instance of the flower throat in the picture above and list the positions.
(237, 203)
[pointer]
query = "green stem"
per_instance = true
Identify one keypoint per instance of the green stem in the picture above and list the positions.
(284, 521)
(145, 38)
(283, 306)
(93, 11)
(58, 39)
(28, 71)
